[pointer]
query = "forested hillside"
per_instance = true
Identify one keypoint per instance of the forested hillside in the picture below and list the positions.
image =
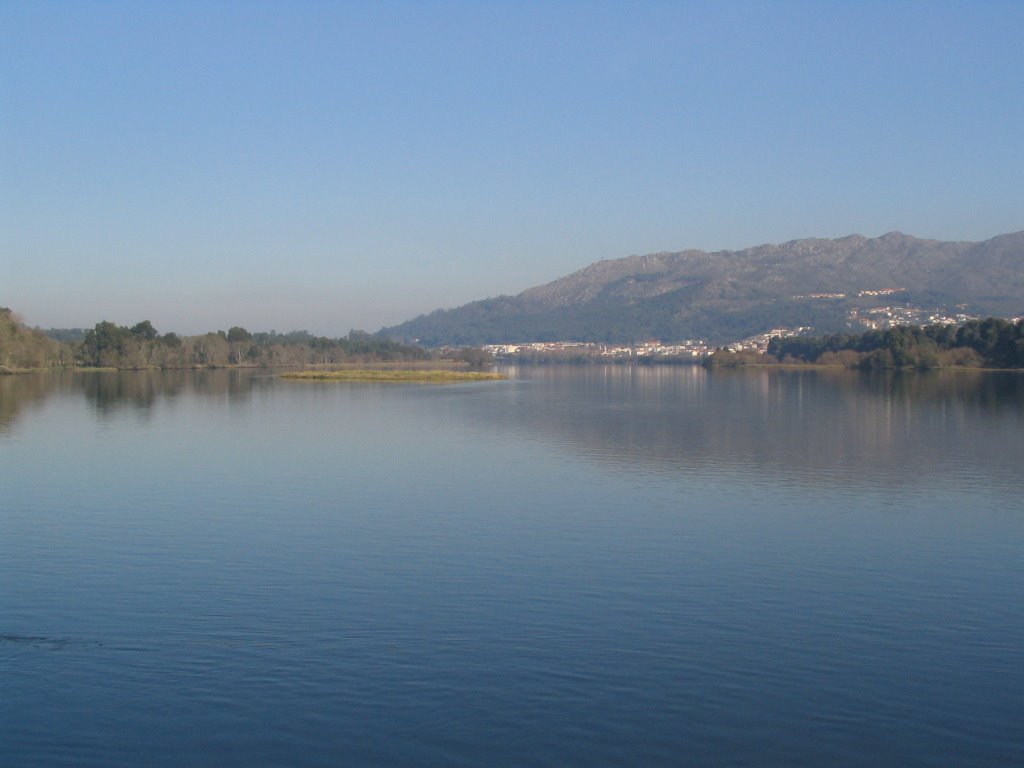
(729, 295)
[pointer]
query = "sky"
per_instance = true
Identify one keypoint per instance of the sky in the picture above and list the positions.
(337, 165)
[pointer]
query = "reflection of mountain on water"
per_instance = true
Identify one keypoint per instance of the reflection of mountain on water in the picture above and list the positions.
(804, 425)
(807, 426)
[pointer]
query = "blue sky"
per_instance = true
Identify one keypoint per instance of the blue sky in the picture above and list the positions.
(349, 165)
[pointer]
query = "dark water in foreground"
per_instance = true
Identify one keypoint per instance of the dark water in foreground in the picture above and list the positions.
(575, 567)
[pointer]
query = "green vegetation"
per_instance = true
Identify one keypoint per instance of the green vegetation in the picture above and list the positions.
(141, 346)
(725, 358)
(432, 376)
(23, 348)
(990, 343)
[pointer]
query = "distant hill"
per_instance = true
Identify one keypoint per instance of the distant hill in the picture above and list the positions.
(732, 294)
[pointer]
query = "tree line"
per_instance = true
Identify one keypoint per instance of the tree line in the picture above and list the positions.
(108, 345)
(990, 343)
(142, 346)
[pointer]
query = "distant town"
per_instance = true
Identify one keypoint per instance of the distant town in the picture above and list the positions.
(652, 349)
(686, 349)
(859, 319)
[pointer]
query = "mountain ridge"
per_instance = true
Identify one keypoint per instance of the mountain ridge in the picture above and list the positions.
(717, 295)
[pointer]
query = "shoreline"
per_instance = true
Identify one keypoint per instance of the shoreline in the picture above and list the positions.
(457, 366)
(424, 376)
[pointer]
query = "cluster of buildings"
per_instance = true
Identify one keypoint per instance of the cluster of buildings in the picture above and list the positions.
(874, 292)
(868, 318)
(759, 342)
(880, 318)
(692, 348)
(650, 350)
(820, 296)
(881, 292)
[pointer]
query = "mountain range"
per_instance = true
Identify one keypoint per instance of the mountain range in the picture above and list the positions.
(727, 295)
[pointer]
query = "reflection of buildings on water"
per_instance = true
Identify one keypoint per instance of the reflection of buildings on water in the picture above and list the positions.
(813, 425)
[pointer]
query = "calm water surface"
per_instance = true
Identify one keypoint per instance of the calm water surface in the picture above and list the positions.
(583, 566)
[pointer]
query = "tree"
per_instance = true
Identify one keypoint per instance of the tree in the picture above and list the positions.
(237, 337)
(476, 357)
(106, 344)
(144, 330)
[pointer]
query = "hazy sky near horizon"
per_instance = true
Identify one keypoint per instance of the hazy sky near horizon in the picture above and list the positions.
(330, 166)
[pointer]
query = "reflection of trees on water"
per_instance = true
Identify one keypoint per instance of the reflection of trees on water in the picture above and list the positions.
(817, 425)
(23, 391)
(111, 392)
(814, 426)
